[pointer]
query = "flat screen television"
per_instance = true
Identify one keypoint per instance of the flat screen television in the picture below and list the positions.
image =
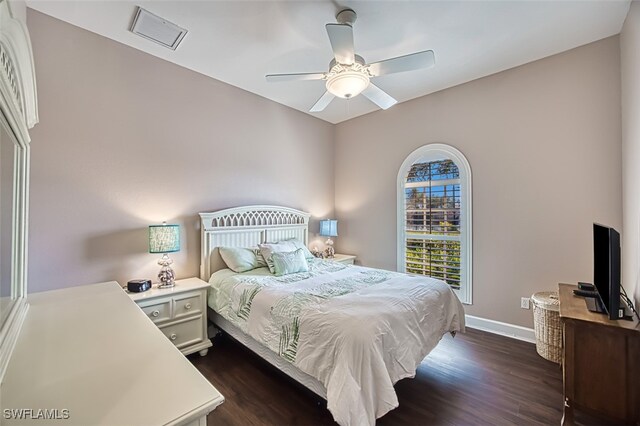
(606, 268)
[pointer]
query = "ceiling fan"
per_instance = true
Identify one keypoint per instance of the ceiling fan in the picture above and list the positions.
(349, 75)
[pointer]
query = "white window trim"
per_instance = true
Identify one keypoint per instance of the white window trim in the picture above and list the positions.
(434, 152)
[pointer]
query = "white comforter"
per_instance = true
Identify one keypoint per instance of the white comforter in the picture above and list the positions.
(356, 330)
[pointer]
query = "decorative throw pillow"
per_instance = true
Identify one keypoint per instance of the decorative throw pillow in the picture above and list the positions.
(299, 245)
(292, 244)
(289, 262)
(241, 259)
(268, 249)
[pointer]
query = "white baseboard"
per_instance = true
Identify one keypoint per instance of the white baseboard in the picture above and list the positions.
(501, 328)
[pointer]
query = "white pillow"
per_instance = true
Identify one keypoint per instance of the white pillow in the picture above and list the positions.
(242, 259)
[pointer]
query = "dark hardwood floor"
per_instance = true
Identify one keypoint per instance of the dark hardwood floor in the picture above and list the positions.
(476, 378)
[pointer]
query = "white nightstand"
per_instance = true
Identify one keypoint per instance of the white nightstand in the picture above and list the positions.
(180, 313)
(347, 259)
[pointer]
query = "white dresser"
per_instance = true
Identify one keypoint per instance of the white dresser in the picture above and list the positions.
(180, 312)
(91, 354)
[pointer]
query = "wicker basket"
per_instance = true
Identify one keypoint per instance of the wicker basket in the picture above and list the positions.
(546, 319)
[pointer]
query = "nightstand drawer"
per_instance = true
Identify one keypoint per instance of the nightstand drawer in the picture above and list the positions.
(158, 312)
(186, 306)
(185, 332)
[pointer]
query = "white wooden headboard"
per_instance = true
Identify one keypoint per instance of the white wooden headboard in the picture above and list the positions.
(246, 227)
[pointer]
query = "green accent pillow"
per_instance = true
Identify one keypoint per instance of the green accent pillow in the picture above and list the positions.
(286, 263)
(285, 246)
(242, 259)
(267, 250)
(299, 245)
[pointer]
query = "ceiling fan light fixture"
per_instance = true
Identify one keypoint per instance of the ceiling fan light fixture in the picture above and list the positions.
(347, 85)
(347, 81)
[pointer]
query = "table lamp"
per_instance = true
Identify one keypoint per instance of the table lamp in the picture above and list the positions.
(329, 228)
(165, 239)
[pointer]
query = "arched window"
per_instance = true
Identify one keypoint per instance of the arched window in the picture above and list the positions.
(434, 216)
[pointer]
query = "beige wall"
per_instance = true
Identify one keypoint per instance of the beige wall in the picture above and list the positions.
(126, 140)
(630, 65)
(543, 141)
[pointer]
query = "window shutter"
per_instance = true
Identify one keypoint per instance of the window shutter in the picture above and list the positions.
(432, 221)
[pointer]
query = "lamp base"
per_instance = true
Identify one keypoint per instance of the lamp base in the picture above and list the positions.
(167, 285)
(329, 252)
(166, 276)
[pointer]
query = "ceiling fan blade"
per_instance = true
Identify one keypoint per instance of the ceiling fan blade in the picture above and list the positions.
(294, 77)
(322, 103)
(378, 96)
(413, 61)
(341, 38)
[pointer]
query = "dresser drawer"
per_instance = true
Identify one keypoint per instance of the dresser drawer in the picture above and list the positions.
(185, 332)
(158, 312)
(187, 306)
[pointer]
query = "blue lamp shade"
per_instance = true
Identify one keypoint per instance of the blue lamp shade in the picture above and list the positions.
(329, 228)
(164, 238)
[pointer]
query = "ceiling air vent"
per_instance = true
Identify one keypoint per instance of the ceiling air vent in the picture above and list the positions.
(154, 28)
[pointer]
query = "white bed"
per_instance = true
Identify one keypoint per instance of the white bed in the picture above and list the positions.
(331, 357)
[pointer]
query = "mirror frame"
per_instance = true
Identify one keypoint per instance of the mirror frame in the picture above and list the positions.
(18, 113)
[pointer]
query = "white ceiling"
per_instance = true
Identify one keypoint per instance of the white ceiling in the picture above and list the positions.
(238, 42)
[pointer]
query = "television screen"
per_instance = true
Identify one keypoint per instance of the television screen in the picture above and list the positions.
(601, 262)
(606, 268)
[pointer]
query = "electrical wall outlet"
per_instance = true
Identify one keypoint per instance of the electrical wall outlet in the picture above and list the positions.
(524, 302)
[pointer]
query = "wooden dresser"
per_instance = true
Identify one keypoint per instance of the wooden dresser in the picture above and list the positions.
(601, 362)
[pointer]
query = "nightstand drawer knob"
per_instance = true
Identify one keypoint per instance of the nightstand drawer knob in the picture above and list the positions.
(187, 306)
(155, 313)
(174, 336)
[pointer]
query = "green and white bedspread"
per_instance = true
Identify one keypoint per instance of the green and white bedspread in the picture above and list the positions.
(357, 330)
